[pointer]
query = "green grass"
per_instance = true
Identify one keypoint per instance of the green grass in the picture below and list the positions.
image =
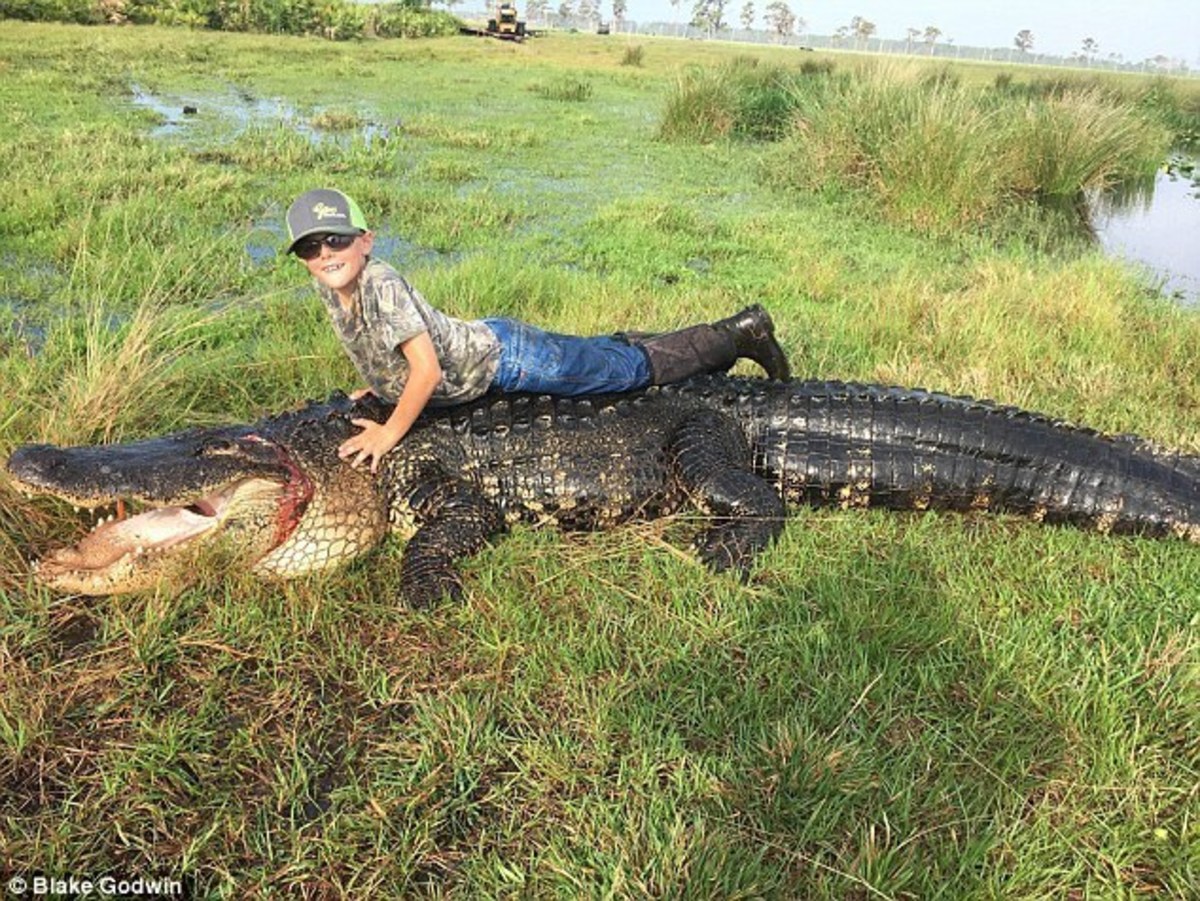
(565, 88)
(942, 156)
(926, 146)
(741, 98)
(894, 707)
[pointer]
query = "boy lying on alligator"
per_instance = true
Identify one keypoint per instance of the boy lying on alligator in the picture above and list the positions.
(735, 448)
(412, 355)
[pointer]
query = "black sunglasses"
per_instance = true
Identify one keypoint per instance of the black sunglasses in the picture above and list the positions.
(310, 248)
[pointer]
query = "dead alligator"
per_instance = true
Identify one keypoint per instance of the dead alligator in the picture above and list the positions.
(735, 448)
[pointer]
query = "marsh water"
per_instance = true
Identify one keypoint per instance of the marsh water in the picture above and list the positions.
(1155, 225)
(1158, 227)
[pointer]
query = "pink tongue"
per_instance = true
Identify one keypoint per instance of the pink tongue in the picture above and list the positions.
(161, 527)
(165, 525)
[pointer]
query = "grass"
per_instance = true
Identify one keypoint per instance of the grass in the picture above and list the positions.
(928, 148)
(634, 55)
(895, 706)
(741, 98)
(942, 156)
(566, 89)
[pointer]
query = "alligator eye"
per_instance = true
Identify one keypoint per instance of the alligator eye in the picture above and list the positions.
(223, 447)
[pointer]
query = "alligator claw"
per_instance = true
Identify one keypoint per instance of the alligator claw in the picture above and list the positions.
(723, 550)
(432, 589)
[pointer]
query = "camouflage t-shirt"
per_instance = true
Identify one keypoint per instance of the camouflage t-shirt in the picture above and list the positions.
(388, 311)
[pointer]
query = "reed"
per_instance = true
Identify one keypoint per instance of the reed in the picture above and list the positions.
(333, 19)
(114, 376)
(565, 88)
(742, 98)
(634, 55)
(939, 155)
(1081, 141)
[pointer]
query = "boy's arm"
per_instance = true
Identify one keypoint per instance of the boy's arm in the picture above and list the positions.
(375, 439)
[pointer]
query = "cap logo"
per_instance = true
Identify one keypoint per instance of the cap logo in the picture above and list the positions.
(325, 211)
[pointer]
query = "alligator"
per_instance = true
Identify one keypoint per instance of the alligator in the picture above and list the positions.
(738, 449)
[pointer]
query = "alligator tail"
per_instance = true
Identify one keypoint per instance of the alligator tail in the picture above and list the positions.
(858, 445)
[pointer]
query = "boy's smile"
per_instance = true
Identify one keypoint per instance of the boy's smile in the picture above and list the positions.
(338, 270)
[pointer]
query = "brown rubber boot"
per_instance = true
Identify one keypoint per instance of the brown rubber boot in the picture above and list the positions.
(754, 337)
(699, 349)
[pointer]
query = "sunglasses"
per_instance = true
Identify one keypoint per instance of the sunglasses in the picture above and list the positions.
(310, 248)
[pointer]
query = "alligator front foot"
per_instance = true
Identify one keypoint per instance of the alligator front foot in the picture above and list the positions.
(429, 585)
(455, 523)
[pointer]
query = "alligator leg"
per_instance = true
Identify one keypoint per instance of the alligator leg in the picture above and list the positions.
(712, 463)
(454, 521)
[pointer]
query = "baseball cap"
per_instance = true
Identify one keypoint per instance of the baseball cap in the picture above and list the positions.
(323, 211)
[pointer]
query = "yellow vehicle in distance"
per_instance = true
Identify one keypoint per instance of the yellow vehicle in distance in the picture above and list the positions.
(506, 25)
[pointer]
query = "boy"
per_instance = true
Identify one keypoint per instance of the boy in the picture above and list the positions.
(412, 354)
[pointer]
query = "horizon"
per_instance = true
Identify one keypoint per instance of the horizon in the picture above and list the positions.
(1169, 28)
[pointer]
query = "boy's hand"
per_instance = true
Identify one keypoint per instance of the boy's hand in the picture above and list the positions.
(375, 440)
(371, 443)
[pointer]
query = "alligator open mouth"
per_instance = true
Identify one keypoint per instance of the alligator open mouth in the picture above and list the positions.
(183, 495)
(117, 541)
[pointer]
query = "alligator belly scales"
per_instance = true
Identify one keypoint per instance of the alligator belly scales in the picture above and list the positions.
(736, 449)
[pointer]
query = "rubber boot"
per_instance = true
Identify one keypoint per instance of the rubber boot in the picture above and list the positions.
(753, 335)
(700, 349)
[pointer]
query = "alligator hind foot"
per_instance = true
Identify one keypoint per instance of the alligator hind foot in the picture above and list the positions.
(712, 462)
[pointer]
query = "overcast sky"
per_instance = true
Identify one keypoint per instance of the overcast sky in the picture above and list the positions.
(1136, 29)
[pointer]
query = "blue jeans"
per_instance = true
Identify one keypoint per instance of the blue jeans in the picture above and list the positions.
(549, 363)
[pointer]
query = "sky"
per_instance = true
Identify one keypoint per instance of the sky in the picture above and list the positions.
(1136, 29)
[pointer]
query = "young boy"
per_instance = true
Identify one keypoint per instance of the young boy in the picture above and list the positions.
(412, 354)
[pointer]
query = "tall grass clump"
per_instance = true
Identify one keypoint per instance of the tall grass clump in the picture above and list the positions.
(1171, 102)
(110, 372)
(333, 19)
(743, 98)
(566, 89)
(126, 336)
(938, 155)
(634, 55)
(1082, 141)
(925, 148)
(1176, 104)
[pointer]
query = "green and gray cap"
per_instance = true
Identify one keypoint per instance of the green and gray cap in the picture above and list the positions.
(323, 211)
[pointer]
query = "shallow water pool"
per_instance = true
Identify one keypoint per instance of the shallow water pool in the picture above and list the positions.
(1158, 228)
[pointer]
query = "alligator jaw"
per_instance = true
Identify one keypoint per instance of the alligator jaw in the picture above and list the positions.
(139, 551)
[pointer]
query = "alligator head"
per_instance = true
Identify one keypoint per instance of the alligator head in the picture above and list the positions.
(275, 492)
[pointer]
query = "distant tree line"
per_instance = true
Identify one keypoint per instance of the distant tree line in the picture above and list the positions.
(334, 19)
